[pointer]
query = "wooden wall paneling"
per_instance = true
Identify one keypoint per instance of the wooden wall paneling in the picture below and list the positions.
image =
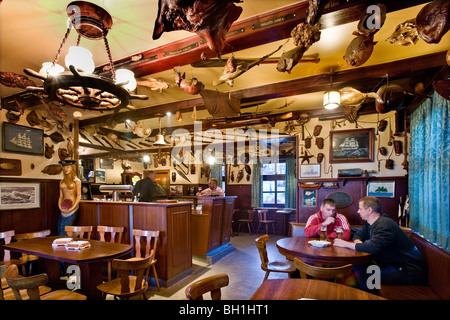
(215, 239)
(200, 233)
(227, 219)
(179, 244)
(155, 220)
(115, 215)
(29, 220)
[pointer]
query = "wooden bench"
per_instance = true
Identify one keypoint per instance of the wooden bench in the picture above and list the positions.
(438, 288)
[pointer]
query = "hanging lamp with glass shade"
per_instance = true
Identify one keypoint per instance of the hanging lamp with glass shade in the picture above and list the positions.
(79, 87)
(331, 98)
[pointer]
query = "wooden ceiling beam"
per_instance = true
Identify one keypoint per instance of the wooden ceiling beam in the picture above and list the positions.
(246, 33)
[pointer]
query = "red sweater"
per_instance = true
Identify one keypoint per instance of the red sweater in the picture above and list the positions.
(315, 222)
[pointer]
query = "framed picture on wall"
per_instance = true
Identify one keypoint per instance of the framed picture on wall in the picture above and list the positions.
(15, 196)
(309, 198)
(21, 139)
(100, 176)
(310, 170)
(352, 145)
(381, 188)
(176, 190)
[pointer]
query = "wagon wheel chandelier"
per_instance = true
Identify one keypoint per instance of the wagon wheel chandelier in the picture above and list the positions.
(79, 87)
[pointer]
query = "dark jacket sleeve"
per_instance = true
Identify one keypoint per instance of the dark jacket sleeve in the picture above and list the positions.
(381, 237)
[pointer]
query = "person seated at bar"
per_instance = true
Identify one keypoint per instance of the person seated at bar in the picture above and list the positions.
(212, 190)
(394, 253)
(328, 217)
(147, 190)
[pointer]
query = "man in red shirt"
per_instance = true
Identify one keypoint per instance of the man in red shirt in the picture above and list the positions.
(329, 218)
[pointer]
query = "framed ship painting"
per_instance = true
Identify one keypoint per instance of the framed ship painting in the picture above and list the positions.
(15, 196)
(352, 145)
(20, 139)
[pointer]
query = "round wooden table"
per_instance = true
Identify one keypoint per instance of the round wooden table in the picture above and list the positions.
(331, 256)
(294, 289)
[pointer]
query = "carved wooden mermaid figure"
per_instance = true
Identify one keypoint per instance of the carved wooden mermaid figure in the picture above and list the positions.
(69, 196)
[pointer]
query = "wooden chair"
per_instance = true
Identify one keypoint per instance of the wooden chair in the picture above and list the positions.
(7, 236)
(297, 229)
(83, 232)
(151, 244)
(32, 286)
(28, 258)
(213, 284)
(6, 293)
(249, 221)
(115, 233)
(273, 266)
(338, 274)
(262, 215)
(128, 285)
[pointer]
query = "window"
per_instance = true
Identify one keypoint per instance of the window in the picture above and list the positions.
(274, 184)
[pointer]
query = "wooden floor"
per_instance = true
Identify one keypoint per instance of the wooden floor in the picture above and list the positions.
(242, 266)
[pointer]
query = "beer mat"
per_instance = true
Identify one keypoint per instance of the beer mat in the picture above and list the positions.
(78, 245)
(319, 243)
(61, 242)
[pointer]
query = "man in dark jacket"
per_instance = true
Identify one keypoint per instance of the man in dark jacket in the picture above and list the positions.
(393, 252)
(147, 190)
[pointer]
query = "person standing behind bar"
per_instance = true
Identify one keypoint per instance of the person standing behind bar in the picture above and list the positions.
(329, 218)
(69, 196)
(212, 190)
(396, 255)
(147, 190)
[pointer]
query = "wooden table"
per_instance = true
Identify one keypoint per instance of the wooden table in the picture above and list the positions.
(90, 260)
(294, 289)
(331, 256)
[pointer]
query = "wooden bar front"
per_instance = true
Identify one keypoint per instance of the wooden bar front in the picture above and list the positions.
(212, 227)
(172, 220)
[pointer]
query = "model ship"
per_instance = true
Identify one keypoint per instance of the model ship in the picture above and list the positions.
(22, 141)
(349, 144)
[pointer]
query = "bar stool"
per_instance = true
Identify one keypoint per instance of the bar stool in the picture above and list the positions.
(263, 220)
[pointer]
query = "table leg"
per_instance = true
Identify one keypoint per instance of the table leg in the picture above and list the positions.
(52, 269)
(91, 276)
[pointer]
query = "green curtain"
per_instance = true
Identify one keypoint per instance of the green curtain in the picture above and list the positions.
(216, 172)
(291, 183)
(257, 185)
(429, 170)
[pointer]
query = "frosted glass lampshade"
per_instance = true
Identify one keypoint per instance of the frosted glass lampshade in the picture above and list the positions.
(81, 59)
(126, 76)
(49, 69)
(331, 99)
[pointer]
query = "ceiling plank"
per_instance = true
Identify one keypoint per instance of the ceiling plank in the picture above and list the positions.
(364, 75)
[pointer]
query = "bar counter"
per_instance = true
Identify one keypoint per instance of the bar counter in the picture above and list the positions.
(211, 226)
(173, 220)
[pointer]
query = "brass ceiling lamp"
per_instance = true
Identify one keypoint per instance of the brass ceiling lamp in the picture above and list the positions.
(79, 87)
(159, 137)
(331, 98)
